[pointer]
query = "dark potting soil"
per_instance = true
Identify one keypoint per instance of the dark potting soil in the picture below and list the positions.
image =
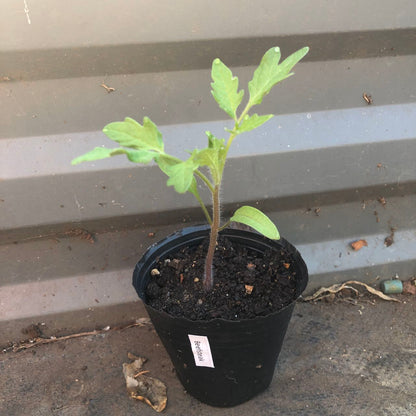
(246, 283)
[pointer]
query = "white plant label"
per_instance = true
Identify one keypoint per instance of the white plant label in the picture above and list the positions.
(202, 351)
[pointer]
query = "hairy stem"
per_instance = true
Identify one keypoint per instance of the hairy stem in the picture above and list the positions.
(233, 135)
(216, 209)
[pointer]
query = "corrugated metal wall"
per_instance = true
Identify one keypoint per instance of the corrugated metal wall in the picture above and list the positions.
(328, 169)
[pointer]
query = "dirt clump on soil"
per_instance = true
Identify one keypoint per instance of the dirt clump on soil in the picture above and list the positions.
(247, 283)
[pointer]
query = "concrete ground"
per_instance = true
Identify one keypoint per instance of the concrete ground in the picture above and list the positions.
(337, 359)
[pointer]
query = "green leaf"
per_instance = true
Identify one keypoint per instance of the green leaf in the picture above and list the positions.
(212, 156)
(209, 157)
(225, 88)
(269, 72)
(95, 154)
(137, 156)
(129, 133)
(293, 59)
(193, 189)
(181, 174)
(257, 220)
(252, 122)
(165, 162)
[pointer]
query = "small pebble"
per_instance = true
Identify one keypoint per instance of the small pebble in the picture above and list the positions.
(251, 266)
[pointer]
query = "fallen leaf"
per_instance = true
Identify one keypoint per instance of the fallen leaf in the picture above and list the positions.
(359, 244)
(142, 387)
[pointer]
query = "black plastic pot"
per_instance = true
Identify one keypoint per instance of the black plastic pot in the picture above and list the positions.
(244, 352)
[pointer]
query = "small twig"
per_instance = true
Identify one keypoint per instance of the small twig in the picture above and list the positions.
(107, 88)
(41, 341)
(368, 99)
(140, 373)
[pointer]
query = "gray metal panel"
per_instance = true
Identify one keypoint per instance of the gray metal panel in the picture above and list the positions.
(319, 168)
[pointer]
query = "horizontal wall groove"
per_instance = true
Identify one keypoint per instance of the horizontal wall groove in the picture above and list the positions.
(38, 64)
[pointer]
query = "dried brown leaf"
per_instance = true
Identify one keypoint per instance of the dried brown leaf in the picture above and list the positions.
(141, 387)
(324, 292)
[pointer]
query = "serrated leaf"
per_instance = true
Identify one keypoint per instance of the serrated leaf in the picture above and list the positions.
(209, 157)
(256, 219)
(269, 72)
(137, 156)
(181, 175)
(252, 122)
(129, 133)
(165, 162)
(225, 88)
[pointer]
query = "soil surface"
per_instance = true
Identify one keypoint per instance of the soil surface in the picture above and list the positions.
(246, 283)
